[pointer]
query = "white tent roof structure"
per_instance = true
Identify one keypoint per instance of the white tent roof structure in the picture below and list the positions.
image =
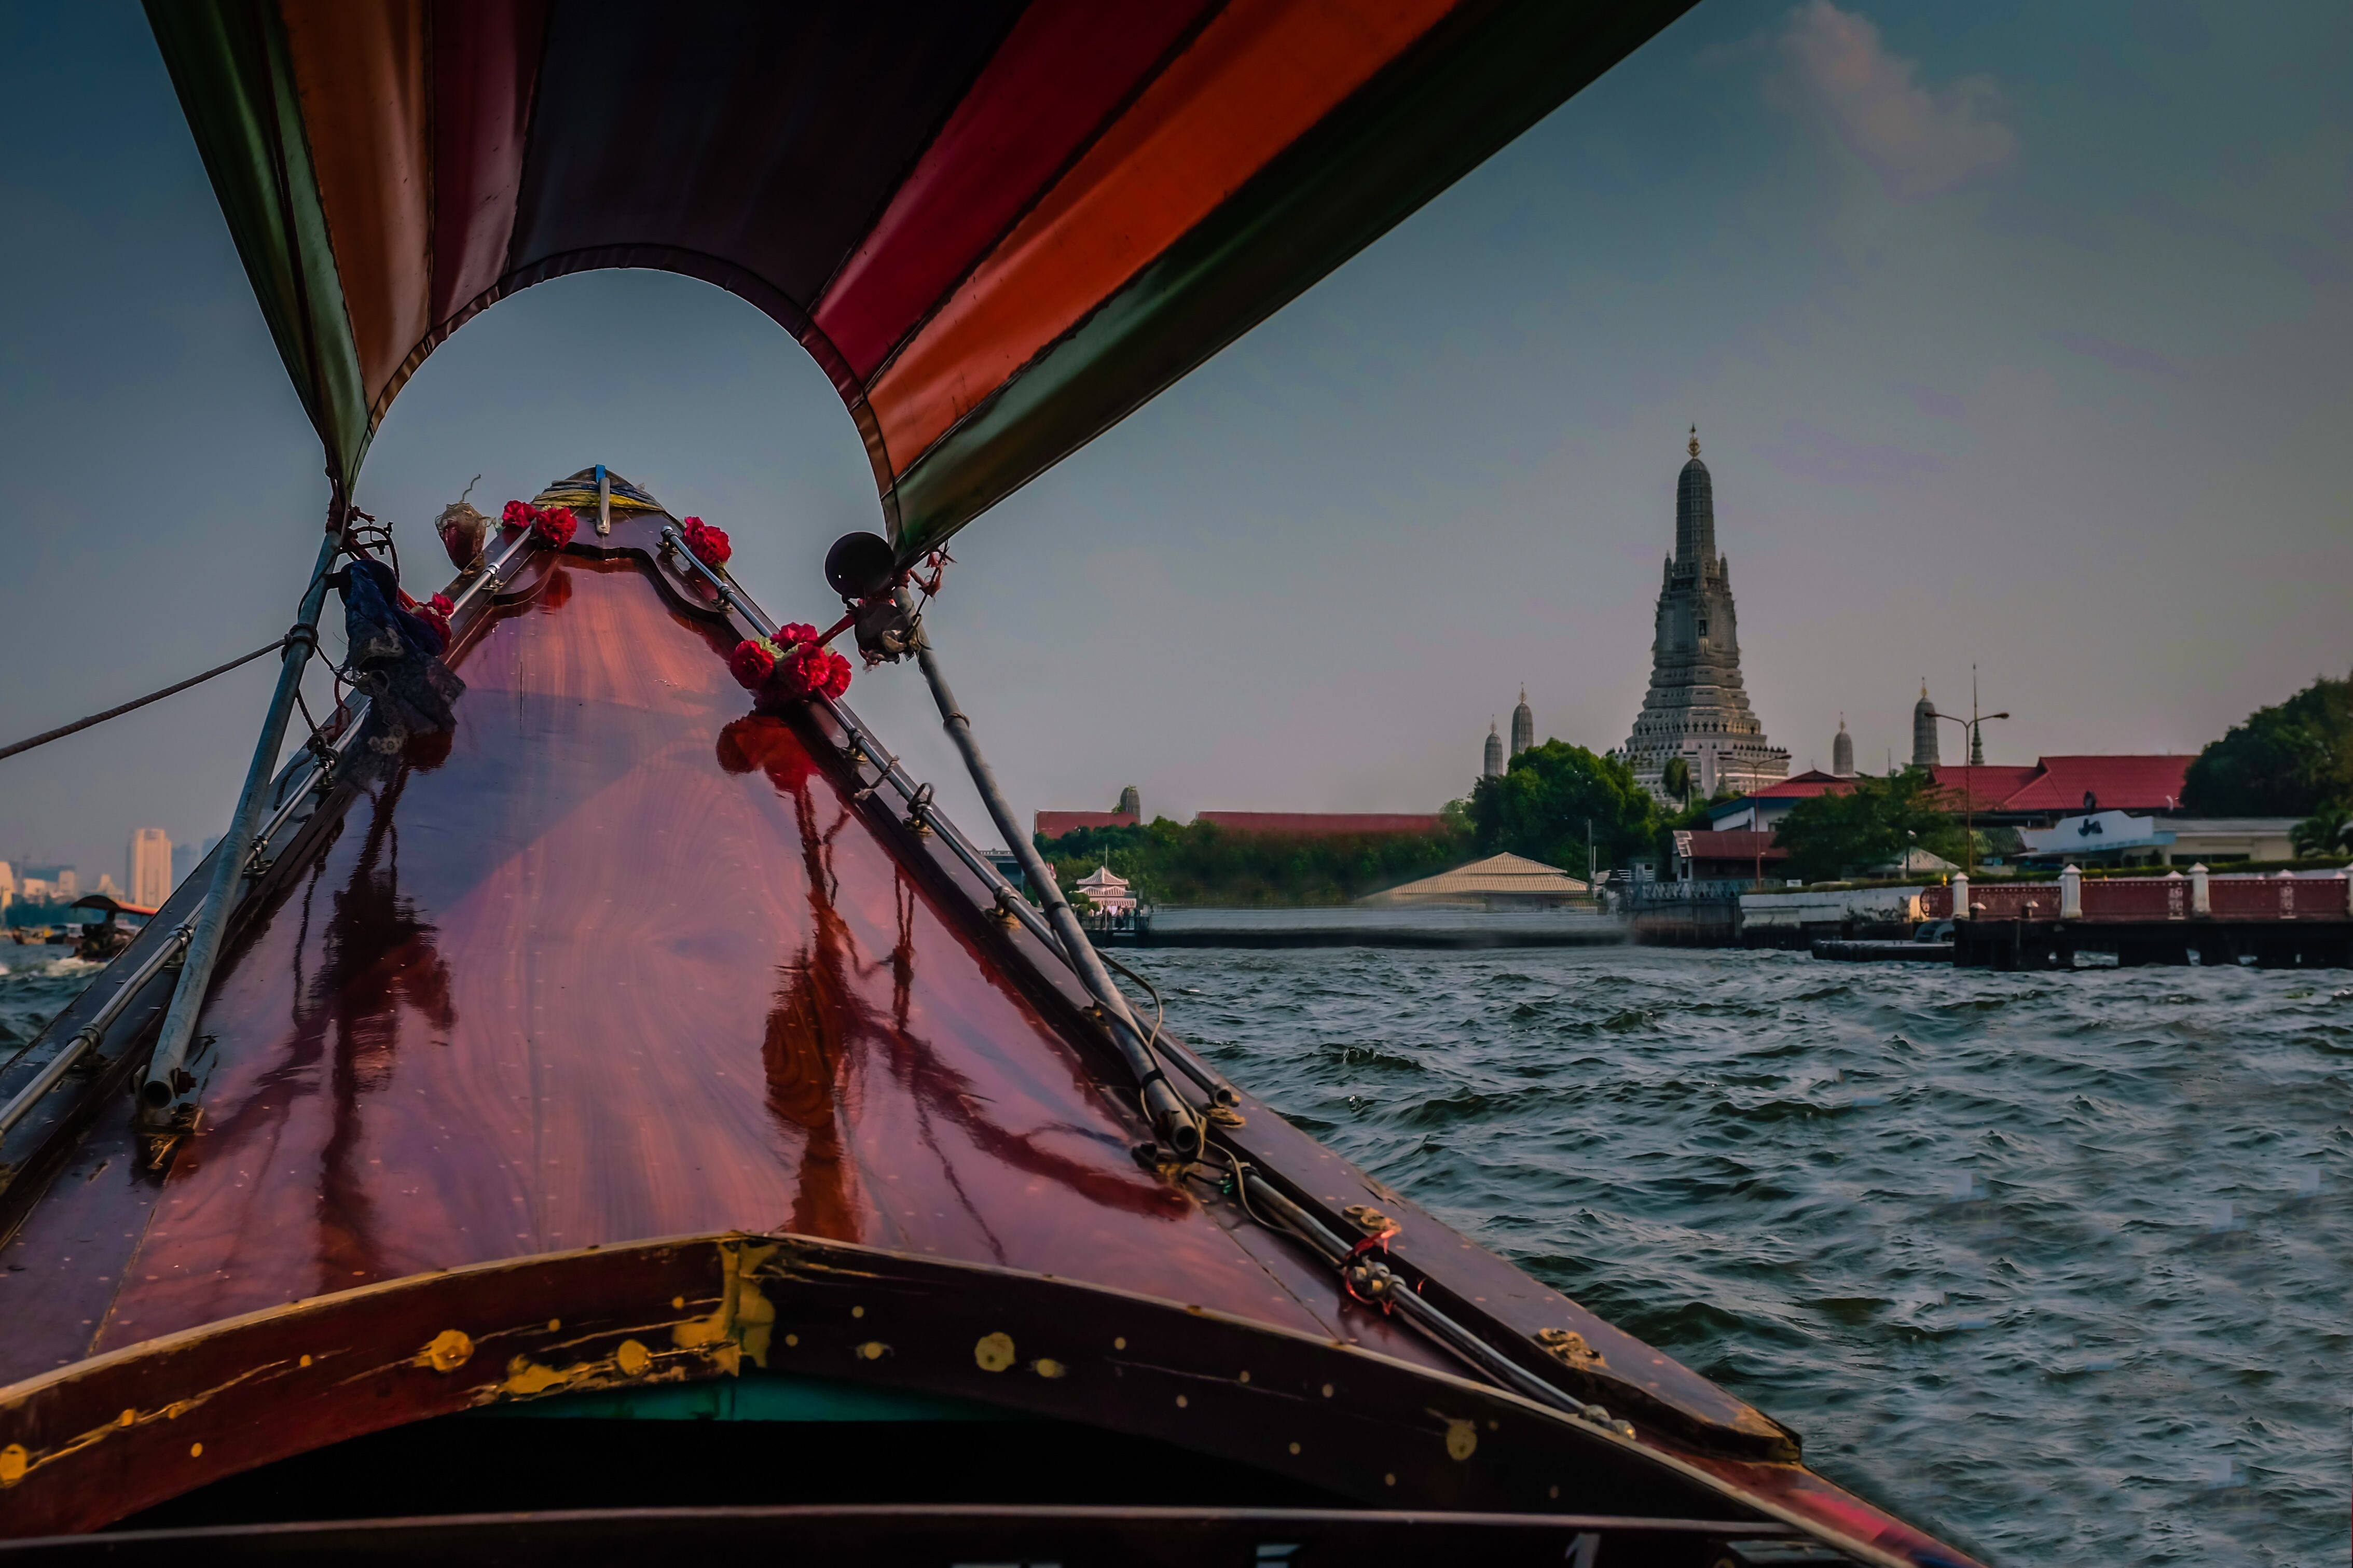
(1498, 876)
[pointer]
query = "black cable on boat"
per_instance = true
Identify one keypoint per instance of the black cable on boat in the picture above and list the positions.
(62, 731)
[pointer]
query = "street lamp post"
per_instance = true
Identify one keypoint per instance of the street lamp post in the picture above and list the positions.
(1969, 728)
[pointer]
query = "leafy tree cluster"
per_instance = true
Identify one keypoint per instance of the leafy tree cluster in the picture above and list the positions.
(2292, 759)
(1200, 863)
(1842, 833)
(1540, 807)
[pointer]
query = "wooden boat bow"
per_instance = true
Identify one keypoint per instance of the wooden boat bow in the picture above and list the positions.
(620, 960)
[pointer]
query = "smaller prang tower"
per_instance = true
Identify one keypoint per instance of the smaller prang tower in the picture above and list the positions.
(1924, 730)
(1697, 708)
(1843, 751)
(1494, 767)
(1523, 725)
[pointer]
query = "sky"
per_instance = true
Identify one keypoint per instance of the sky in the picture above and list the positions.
(2018, 338)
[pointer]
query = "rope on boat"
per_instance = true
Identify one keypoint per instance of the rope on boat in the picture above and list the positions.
(62, 731)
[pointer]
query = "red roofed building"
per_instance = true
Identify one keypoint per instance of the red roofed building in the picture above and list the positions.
(1764, 808)
(2057, 786)
(1054, 824)
(1982, 789)
(1701, 856)
(1323, 822)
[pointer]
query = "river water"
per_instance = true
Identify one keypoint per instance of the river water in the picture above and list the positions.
(2059, 1265)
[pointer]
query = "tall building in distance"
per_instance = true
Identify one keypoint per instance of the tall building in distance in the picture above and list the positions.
(1523, 725)
(1697, 708)
(1843, 751)
(1493, 766)
(1924, 730)
(151, 867)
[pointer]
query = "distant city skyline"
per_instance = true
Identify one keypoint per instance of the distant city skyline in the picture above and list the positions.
(2016, 336)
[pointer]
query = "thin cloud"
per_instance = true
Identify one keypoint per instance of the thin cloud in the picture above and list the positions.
(2114, 354)
(1920, 141)
(1809, 452)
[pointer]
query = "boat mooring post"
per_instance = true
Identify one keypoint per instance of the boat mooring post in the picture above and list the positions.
(1170, 1116)
(166, 1076)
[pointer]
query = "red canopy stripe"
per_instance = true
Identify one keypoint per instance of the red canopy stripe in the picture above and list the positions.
(1067, 64)
(1217, 114)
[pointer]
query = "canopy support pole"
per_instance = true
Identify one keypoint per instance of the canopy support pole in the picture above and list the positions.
(166, 1078)
(1169, 1115)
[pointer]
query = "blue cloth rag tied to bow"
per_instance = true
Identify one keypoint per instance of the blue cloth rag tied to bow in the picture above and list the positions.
(395, 660)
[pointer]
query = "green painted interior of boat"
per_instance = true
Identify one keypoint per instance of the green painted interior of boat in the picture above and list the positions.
(754, 1396)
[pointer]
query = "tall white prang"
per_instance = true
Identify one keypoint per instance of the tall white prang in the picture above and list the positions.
(1697, 708)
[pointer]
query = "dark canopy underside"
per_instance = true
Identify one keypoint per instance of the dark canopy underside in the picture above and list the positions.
(998, 226)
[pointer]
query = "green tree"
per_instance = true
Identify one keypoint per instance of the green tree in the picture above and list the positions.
(2293, 760)
(2328, 832)
(1200, 863)
(1840, 833)
(1539, 808)
(1675, 778)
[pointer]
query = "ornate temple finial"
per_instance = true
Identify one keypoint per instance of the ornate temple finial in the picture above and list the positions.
(1694, 441)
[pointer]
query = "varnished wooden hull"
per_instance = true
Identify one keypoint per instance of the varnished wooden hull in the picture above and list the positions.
(623, 962)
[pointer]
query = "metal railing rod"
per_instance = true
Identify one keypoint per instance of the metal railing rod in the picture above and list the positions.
(1174, 1115)
(492, 571)
(1421, 1312)
(91, 1035)
(726, 590)
(1169, 1115)
(318, 780)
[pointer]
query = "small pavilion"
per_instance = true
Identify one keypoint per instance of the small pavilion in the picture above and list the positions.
(1108, 891)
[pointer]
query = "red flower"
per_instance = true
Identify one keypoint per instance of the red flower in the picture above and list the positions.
(518, 514)
(442, 605)
(556, 525)
(792, 632)
(709, 544)
(751, 664)
(817, 670)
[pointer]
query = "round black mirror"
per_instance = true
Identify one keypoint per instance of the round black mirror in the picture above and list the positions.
(861, 565)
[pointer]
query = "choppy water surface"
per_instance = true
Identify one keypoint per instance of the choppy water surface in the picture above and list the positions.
(2061, 1265)
(35, 983)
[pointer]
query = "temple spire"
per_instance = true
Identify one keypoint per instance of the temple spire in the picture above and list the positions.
(1696, 709)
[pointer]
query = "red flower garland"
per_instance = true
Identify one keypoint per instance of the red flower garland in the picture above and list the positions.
(709, 544)
(435, 613)
(817, 669)
(556, 525)
(751, 663)
(790, 663)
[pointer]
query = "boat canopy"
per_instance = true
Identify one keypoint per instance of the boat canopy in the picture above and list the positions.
(998, 226)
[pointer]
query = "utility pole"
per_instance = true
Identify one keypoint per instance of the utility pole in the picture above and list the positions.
(1969, 728)
(1592, 864)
